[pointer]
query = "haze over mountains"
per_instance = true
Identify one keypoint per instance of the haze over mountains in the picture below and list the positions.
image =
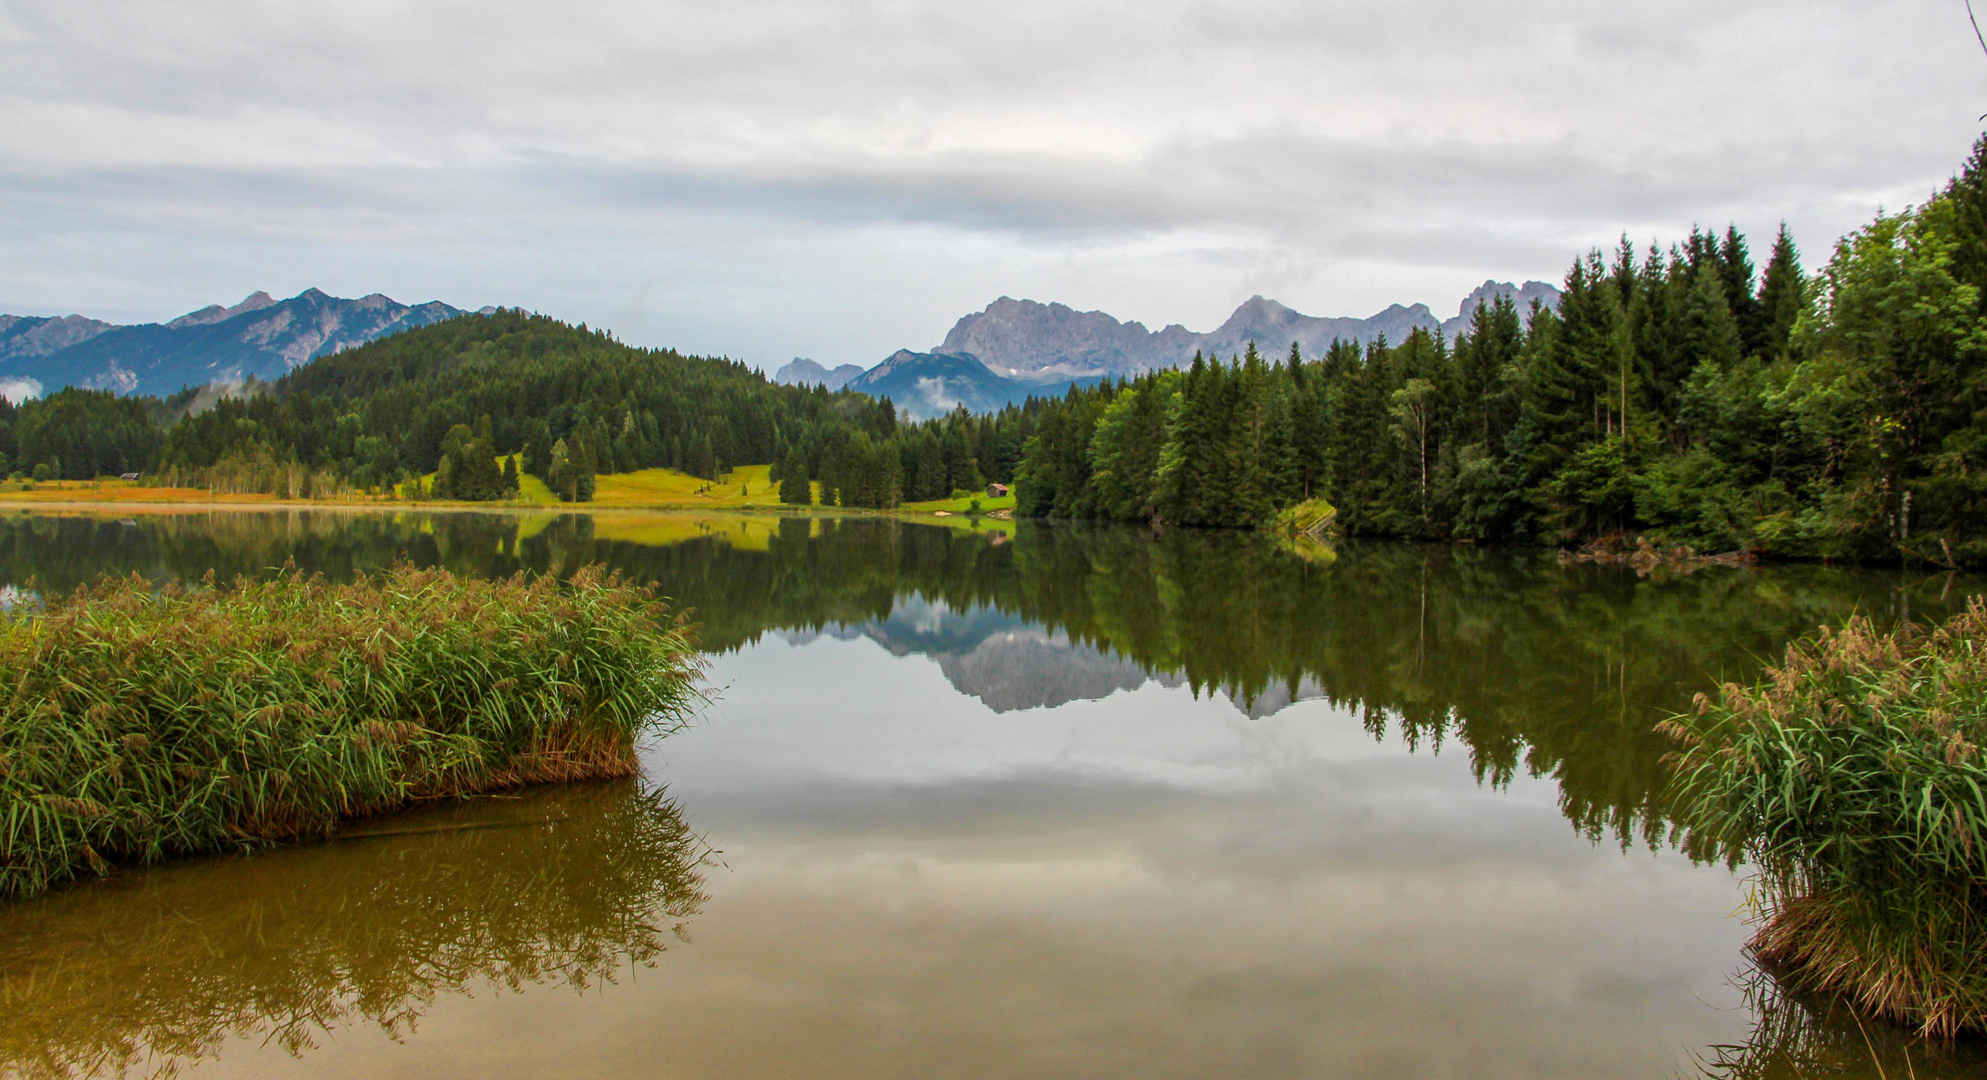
(260, 337)
(1018, 348)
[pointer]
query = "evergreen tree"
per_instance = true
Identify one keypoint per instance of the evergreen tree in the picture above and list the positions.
(538, 449)
(1782, 298)
(795, 490)
(1711, 334)
(1735, 273)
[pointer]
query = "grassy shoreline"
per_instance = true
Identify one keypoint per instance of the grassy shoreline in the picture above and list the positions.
(1851, 778)
(137, 724)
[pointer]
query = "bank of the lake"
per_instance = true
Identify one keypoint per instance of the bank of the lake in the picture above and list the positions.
(138, 723)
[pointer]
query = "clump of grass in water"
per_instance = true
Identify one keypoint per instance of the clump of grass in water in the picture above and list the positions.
(138, 723)
(1851, 777)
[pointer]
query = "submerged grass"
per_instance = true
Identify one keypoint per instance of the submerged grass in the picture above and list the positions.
(1851, 777)
(138, 723)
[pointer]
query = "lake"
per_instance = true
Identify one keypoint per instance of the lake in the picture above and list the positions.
(996, 799)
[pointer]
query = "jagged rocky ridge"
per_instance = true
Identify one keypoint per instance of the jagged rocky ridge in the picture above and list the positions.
(1020, 348)
(1026, 338)
(261, 337)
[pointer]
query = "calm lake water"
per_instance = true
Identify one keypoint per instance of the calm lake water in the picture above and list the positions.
(1013, 800)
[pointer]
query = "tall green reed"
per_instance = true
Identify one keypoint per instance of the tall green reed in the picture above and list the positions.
(138, 723)
(1851, 778)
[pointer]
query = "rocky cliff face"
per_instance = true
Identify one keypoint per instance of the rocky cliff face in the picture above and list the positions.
(261, 337)
(1023, 338)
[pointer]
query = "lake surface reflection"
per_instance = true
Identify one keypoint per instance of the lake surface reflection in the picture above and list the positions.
(998, 800)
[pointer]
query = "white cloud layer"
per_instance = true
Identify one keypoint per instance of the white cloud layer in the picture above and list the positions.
(837, 180)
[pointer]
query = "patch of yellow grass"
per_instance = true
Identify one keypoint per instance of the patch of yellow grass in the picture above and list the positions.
(532, 491)
(747, 485)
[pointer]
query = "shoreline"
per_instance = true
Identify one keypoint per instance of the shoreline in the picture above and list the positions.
(265, 504)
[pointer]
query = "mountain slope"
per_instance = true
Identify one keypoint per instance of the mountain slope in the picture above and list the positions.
(259, 337)
(24, 336)
(924, 385)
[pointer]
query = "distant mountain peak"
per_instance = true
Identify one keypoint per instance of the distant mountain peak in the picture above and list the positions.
(802, 371)
(1015, 348)
(1029, 339)
(261, 337)
(925, 385)
(214, 313)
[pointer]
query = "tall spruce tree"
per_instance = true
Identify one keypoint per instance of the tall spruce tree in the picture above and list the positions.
(1782, 297)
(795, 489)
(1735, 273)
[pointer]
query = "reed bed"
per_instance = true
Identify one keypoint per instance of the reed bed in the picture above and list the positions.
(139, 723)
(1851, 778)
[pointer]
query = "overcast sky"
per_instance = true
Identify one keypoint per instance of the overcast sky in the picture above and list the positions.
(838, 180)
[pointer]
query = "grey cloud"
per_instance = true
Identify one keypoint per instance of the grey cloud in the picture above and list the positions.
(883, 147)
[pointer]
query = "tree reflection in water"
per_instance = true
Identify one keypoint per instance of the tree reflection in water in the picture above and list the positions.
(150, 971)
(1529, 667)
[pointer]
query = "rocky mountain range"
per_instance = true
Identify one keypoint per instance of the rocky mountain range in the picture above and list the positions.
(1018, 348)
(1026, 338)
(260, 337)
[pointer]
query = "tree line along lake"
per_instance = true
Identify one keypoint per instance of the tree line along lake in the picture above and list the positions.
(996, 798)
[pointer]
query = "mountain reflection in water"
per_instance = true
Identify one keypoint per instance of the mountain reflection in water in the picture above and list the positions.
(1212, 808)
(1535, 668)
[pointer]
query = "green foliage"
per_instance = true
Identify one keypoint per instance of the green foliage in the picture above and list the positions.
(137, 723)
(571, 474)
(1681, 396)
(1851, 778)
(468, 468)
(795, 490)
(84, 434)
(371, 417)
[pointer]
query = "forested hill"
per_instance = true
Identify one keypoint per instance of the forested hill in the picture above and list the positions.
(384, 410)
(452, 397)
